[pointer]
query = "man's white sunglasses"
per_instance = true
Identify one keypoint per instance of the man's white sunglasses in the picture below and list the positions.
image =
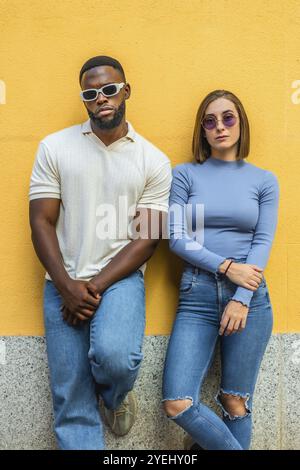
(109, 90)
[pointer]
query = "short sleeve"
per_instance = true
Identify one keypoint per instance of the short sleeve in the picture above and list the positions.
(45, 180)
(157, 188)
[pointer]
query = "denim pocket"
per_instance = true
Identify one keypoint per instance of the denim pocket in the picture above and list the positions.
(261, 296)
(263, 283)
(186, 283)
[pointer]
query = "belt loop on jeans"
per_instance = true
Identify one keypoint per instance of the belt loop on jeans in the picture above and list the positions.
(196, 271)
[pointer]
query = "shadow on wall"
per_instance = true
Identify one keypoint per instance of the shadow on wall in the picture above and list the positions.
(165, 260)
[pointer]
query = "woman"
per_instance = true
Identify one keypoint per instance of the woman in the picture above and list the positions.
(223, 292)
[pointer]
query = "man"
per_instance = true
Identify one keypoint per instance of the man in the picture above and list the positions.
(96, 190)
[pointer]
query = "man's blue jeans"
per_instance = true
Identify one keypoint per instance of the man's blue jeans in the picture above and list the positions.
(106, 350)
(202, 300)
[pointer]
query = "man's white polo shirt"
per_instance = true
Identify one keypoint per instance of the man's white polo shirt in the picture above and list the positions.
(98, 186)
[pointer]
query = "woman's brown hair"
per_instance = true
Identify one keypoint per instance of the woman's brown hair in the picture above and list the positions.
(201, 148)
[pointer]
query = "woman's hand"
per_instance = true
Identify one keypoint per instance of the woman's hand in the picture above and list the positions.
(234, 318)
(244, 275)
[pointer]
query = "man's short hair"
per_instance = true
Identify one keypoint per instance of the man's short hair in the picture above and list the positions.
(99, 61)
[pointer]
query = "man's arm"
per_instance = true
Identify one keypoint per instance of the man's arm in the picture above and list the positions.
(136, 253)
(43, 215)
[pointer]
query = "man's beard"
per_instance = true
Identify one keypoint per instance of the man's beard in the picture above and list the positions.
(109, 123)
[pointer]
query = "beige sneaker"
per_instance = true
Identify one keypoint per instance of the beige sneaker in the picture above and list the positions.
(122, 419)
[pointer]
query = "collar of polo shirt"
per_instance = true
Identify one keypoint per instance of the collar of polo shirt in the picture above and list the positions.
(87, 129)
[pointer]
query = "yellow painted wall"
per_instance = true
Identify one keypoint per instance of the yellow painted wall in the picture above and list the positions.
(174, 52)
